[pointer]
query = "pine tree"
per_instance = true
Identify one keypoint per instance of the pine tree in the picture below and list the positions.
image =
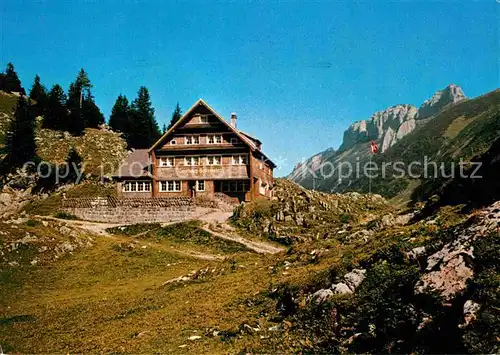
(119, 120)
(74, 164)
(164, 129)
(92, 116)
(176, 115)
(11, 82)
(74, 104)
(20, 144)
(38, 94)
(144, 128)
(56, 113)
(83, 110)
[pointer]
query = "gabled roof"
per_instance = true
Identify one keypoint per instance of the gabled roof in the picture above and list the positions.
(250, 141)
(136, 165)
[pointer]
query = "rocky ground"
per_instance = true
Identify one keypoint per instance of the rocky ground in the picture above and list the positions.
(306, 272)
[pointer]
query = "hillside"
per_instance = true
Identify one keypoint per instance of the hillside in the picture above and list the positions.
(355, 276)
(458, 128)
(97, 147)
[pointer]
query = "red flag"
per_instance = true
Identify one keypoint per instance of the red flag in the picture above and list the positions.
(374, 147)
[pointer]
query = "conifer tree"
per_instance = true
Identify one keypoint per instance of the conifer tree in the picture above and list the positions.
(83, 110)
(74, 164)
(119, 120)
(144, 128)
(56, 113)
(38, 94)
(176, 115)
(74, 104)
(20, 144)
(11, 82)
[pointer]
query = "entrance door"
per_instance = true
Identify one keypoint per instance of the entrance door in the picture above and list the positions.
(192, 189)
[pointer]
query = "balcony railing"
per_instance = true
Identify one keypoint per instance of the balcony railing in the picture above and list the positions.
(205, 172)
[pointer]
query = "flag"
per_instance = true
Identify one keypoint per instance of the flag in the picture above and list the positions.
(374, 147)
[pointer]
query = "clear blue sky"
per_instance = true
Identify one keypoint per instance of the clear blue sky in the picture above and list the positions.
(296, 74)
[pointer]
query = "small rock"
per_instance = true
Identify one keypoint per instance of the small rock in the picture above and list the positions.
(322, 295)
(415, 252)
(194, 337)
(64, 230)
(470, 312)
(354, 278)
(276, 328)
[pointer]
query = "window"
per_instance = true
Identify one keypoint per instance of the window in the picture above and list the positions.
(214, 160)
(170, 186)
(168, 161)
(140, 186)
(261, 166)
(235, 186)
(242, 186)
(262, 187)
(173, 142)
(240, 160)
(192, 140)
(191, 161)
(235, 141)
(200, 185)
(204, 119)
(214, 139)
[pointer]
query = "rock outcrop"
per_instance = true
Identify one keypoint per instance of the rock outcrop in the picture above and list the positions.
(449, 95)
(387, 126)
(449, 269)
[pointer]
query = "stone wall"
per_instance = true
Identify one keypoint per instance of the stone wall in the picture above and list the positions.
(133, 210)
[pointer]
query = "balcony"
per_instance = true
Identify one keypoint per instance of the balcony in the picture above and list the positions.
(203, 172)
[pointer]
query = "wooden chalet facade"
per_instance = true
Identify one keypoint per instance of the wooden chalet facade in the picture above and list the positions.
(201, 155)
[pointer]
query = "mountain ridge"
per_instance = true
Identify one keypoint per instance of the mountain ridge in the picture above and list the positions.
(453, 112)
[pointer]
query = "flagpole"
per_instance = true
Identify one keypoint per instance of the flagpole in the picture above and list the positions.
(370, 177)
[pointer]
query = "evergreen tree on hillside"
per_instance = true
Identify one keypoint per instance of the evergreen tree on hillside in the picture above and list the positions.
(119, 120)
(56, 113)
(20, 143)
(74, 164)
(38, 94)
(74, 104)
(176, 115)
(83, 110)
(92, 116)
(144, 128)
(11, 82)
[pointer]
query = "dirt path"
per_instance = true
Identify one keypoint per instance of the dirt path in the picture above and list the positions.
(97, 228)
(259, 247)
(219, 219)
(210, 220)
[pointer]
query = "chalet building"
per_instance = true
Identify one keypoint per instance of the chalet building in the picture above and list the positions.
(201, 155)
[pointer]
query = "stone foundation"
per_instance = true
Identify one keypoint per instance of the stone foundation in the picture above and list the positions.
(133, 210)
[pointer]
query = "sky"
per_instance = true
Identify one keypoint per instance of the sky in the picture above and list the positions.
(296, 73)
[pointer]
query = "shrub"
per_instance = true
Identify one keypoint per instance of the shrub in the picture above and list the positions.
(65, 215)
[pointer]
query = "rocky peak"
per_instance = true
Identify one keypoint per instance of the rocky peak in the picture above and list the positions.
(379, 124)
(390, 125)
(449, 95)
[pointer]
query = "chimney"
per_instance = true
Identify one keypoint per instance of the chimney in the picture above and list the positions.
(233, 119)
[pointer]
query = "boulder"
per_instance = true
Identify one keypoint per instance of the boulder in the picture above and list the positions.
(415, 252)
(470, 312)
(322, 295)
(354, 278)
(341, 288)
